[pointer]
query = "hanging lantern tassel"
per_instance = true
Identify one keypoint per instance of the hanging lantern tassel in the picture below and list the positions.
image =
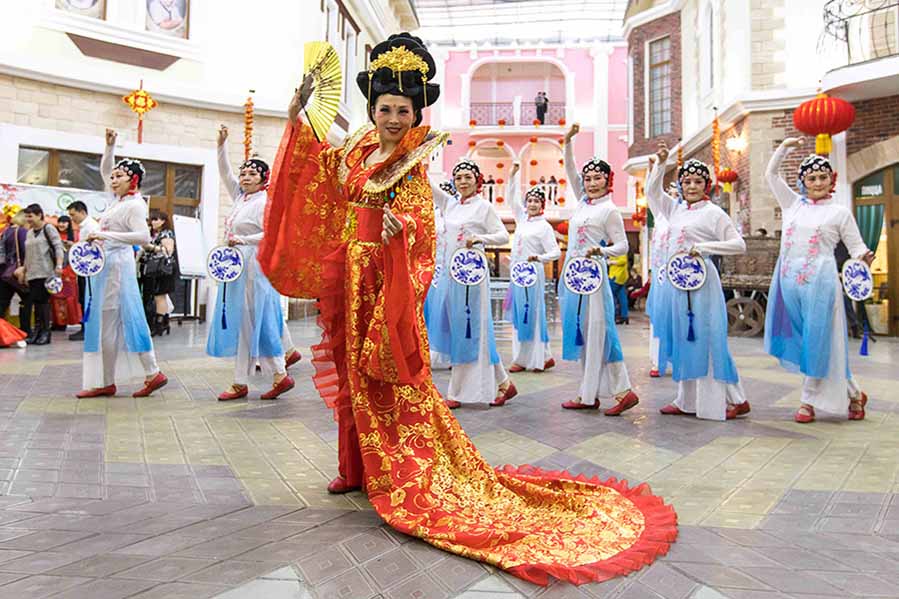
(224, 306)
(248, 117)
(863, 351)
(823, 144)
(140, 103)
(526, 305)
(579, 336)
(467, 315)
(691, 336)
(90, 296)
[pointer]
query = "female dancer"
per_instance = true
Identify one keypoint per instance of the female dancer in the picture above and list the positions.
(535, 241)
(591, 337)
(114, 325)
(464, 329)
(658, 256)
(805, 324)
(692, 326)
(438, 359)
(253, 325)
(353, 226)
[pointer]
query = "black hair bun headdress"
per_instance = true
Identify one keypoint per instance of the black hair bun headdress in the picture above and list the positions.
(596, 165)
(133, 168)
(695, 167)
(400, 66)
(813, 163)
(260, 167)
(536, 192)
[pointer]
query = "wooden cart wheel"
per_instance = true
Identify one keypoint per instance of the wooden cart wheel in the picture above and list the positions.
(745, 317)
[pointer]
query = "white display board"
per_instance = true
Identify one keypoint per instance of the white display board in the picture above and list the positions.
(190, 246)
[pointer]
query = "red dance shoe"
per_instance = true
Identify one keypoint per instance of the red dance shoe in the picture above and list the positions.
(228, 395)
(863, 399)
(654, 373)
(107, 391)
(339, 486)
(157, 382)
(549, 364)
(577, 405)
(502, 397)
(516, 368)
(292, 358)
(859, 412)
(452, 404)
(672, 410)
(628, 401)
(804, 415)
(284, 386)
(737, 410)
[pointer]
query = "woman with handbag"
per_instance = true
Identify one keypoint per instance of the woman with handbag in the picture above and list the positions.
(43, 260)
(158, 273)
(12, 248)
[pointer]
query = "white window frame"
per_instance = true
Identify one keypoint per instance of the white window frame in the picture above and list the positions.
(647, 108)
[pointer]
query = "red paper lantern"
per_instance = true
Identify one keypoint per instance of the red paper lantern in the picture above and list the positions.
(561, 161)
(561, 200)
(472, 123)
(533, 182)
(500, 143)
(499, 181)
(533, 163)
(500, 165)
(562, 122)
(533, 140)
(822, 117)
(561, 141)
(472, 143)
(536, 122)
(501, 122)
(562, 181)
(562, 227)
(727, 176)
(500, 199)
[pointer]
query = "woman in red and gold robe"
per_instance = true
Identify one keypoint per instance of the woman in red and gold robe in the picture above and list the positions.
(354, 227)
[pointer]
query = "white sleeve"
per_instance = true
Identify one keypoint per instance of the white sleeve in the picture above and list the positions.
(496, 233)
(729, 241)
(517, 199)
(851, 236)
(615, 231)
(785, 196)
(549, 245)
(571, 169)
(107, 162)
(258, 219)
(441, 198)
(226, 173)
(660, 203)
(138, 232)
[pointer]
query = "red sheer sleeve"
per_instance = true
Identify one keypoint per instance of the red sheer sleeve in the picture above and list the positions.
(305, 216)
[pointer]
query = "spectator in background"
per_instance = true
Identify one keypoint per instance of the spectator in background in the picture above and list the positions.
(12, 245)
(158, 272)
(761, 232)
(618, 281)
(541, 102)
(65, 304)
(552, 191)
(44, 255)
(86, 225)
(490, 188)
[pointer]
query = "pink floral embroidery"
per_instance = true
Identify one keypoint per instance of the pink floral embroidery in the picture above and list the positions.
(805, 272)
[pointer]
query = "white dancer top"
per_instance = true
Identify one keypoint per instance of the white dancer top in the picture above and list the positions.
(472, 217)
(702, 226)
(534, 236)
(808, 224)
(247, 217)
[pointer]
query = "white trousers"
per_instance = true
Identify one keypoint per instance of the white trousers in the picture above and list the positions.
(531, 355)
(708, 398)
(478, 381)
(100, 368)
(654, 347)
(599, 378)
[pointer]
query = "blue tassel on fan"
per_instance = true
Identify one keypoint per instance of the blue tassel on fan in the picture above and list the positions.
(526, 305)
(87, 308)
(579, 336)
(691, 336)
(467, 316)
(863, 351)
(224, 305)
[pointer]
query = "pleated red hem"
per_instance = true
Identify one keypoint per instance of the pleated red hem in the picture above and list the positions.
(329, 355)
(659, 532)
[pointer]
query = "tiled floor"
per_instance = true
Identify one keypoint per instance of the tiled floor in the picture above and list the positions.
(181, 496)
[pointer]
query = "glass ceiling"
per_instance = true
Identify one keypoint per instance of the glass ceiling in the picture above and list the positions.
(504, 22)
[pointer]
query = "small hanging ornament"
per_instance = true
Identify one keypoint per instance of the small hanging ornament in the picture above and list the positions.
(248, 126)
(562, 122)
(533, 140)
(500, 165)
(140, 102)
(500, 143)
(472, 123)
(716, 143)
(472, 143)
(680, 155)
(727, 176)
(536, 122)
(501, 122)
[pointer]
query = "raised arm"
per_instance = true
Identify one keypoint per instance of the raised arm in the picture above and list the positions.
(441, 198)
(226, 173)
(571, 168)
(783, 193)
(516, 196)
(729, 241)
(659, 201)
(108, 160)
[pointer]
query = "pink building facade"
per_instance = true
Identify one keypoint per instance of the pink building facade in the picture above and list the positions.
(487, 104)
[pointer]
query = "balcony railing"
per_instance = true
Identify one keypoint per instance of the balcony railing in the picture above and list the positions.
(869, 29)
(489, 114)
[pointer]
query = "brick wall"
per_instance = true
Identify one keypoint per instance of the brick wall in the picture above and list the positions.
(667, 25)
(875, 121)
(31, 103)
